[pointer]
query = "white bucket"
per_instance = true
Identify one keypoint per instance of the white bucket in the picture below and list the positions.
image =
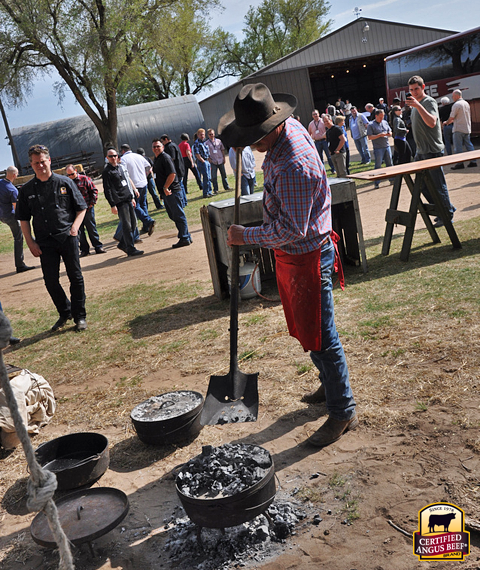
(249, 277)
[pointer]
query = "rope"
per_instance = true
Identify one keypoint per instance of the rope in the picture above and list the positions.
(42, 483)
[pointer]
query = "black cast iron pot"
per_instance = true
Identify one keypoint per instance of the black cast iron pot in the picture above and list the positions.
(76, 459)
(233, 510)
(169, 417)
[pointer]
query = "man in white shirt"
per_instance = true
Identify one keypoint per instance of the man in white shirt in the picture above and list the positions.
(316, 129)
(462, 127)
(138, 168)
(248, 169)
(217, 161)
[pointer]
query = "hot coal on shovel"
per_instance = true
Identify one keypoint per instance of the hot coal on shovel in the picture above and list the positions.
(233, 397)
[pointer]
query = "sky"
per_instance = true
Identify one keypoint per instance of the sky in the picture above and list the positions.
(43, 106)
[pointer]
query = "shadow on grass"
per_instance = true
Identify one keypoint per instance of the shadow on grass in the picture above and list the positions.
(422, 255)
(193, 312)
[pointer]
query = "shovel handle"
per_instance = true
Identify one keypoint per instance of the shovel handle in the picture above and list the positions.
(234, 287)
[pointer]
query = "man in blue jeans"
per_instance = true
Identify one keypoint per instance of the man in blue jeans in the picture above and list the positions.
(201, 153)
(461, 119)
(8, 203)
(297, 225)
(379, 132)
(168, 186)
(427, 132)
(358, 130)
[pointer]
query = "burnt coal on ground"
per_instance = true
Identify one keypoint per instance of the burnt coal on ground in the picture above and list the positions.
(242, 546)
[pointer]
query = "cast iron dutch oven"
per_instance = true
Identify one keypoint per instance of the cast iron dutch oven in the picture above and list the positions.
(77, 459)
(232, 510)
(169, 417)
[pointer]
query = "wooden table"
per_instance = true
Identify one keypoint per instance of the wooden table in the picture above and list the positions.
(421, 171)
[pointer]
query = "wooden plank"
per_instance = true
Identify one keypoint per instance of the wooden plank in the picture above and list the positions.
(398, 218)
(416, 166)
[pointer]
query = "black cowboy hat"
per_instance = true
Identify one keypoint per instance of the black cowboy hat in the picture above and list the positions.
(256, 112)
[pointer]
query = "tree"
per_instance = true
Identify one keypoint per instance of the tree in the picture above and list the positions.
(273, 30)
(185, 56)
(93, 44)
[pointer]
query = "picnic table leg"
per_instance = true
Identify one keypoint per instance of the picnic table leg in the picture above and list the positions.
(410, 229)
(442, 212)
(387, 240)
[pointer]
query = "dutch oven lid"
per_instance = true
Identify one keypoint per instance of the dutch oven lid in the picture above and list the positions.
(166, 406)
(84, 516)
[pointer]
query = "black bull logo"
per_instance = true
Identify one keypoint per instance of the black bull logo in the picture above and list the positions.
(440, 520)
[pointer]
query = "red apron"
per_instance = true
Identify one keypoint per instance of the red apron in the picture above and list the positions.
(299, 285)
(300, 288)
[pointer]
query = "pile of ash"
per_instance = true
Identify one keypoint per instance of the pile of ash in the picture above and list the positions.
(223, 471)
(240, 546)
(166, 406)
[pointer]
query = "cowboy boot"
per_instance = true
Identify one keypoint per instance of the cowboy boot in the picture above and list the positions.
(315, 397)
(331, 431)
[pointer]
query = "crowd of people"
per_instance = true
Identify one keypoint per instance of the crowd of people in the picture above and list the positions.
(62, 209)
(419, 130)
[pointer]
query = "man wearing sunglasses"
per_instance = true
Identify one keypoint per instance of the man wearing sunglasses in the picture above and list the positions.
(56, 208)
(122, 201)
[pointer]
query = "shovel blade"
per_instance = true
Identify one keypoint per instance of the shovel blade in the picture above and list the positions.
(232, 398)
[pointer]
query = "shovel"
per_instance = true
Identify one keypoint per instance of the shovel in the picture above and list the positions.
(233, 397)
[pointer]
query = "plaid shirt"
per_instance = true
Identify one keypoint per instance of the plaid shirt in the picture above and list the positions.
(201, 148)
(296, 198)
(87, 189)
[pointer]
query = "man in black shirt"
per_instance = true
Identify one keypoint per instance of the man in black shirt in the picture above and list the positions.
(57, 208)
(174, 152)
(121, 200)
(169, 188)
(336, 144)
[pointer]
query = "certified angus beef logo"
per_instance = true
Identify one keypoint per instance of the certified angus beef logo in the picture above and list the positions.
(441, 533)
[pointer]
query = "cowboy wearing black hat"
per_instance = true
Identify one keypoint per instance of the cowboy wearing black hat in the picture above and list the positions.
(297, 226)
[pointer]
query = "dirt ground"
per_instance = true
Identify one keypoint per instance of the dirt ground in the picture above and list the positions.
(390, 475)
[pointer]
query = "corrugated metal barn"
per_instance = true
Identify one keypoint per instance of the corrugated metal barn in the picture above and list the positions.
(347, 63)
(137, 126)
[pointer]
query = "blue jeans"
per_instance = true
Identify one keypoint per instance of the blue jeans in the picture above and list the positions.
(381, 155)
(184, 193)
(16, 230)
(439, 181)
(90, 226)
(448, 138)
(461, 140)
(204, 172)
(247, 185)
(362, 148)
(141, 209)
(223, 174)
(174, 208)
(331, 361)
(153, 192)
(322, 147)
